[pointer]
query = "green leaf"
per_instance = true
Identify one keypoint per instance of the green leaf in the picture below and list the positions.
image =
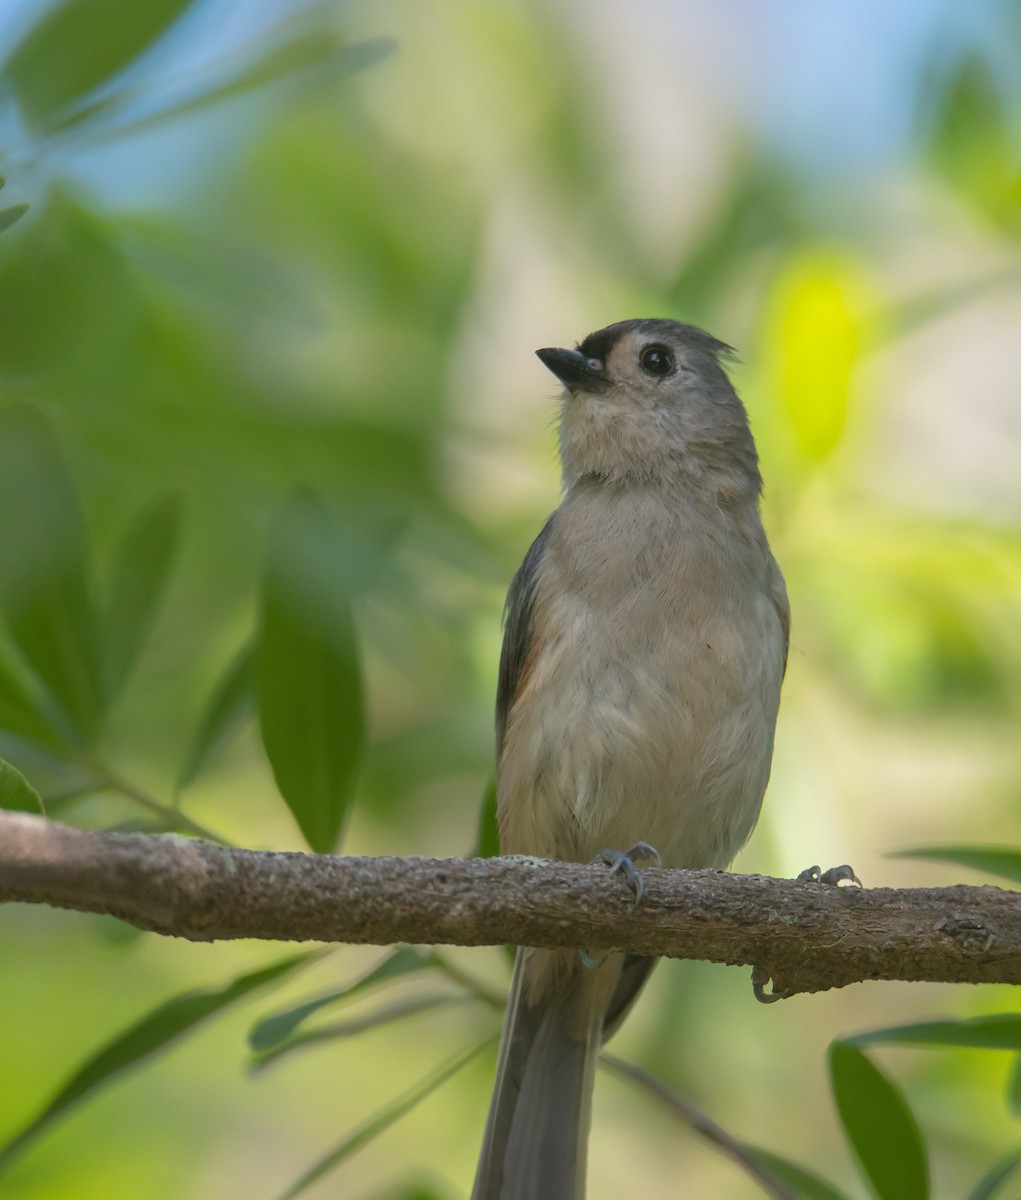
(416, 1189)
(230, 705)
(306, 50)
(273, 1030)
(141, 570)
(339, 1030)
(25, 714)
(72, 308)
(383, 1119)
(487, 838)
(1014, 1089)
(805, 1183)
(115, 932)
(311, 708)
(45, 581)
(971, 142)
(153, 1033)
(16, 792)
(59, 782)
(9, 215)
(990, 1184)
(1004, 861)
(78, 45)
(1001, 1031)
(879, 1125)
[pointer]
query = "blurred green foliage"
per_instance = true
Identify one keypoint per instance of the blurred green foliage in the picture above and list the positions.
(269, 452)
(972, 142)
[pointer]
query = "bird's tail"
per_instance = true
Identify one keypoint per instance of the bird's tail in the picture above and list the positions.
(536, 1136)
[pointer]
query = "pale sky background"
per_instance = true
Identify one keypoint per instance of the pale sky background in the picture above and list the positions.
(829, 87)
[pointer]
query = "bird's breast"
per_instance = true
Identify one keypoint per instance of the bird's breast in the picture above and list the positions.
(648, 709)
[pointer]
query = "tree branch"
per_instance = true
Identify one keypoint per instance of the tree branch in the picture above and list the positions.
(806, 937)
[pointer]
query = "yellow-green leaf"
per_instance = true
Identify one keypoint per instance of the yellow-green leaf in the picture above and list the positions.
(813, 337)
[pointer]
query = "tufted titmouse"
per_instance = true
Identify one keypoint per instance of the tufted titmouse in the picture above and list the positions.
(645, 643)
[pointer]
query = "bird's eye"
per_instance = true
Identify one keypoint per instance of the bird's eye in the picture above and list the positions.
(656, 360)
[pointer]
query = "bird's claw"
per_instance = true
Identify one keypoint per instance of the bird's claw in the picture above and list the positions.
(624, 862)
(834, 877)
(761, 977)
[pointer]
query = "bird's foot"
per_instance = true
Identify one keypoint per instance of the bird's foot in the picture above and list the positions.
(624, 862)
(760, 978)
(834, 877)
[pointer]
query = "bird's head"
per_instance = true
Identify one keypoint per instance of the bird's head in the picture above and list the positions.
(648, 400)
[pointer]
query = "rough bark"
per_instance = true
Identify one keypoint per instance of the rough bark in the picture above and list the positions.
(806, 937)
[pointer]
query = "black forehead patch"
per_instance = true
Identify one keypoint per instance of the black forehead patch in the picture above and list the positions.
(601, 343)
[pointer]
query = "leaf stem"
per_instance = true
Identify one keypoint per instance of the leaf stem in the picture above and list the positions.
(172, 814)
(475, 986)
(702, 1125)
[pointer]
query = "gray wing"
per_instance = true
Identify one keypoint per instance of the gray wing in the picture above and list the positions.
(517, 629)
(778, 594)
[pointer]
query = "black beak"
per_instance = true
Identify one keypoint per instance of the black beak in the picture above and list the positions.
(572, 368)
